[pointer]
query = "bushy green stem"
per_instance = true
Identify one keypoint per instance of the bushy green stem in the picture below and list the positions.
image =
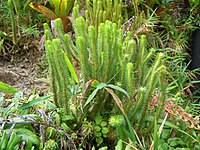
(53, 76)
(141, 58)
(61, 80)
(150, 87)
(83, 58)
(98, 12)
(129, 78)
(94, 51)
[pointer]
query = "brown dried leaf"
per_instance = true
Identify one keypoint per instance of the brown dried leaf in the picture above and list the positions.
(117, 100)
(44, 10)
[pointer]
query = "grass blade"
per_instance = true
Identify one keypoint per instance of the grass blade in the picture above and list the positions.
(7, 88)
(35, 101)
(99, 87)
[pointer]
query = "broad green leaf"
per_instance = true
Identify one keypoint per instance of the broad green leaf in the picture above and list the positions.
(175, 141)
(103, 148)
(65, 127)
(33, 102)
(56, 6)
(98, 119)
(119, 145)
(196, 2)
(71, 68)
(63, 8)
(90, 98)
(7, 88)
(70, 4)
(118, 88)
(27, 135)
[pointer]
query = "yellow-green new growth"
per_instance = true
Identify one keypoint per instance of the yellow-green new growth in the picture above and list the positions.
(116, 120)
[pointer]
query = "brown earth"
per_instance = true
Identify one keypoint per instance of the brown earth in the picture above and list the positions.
(26, 71)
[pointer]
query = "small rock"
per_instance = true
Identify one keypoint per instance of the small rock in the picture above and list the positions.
(8, 77)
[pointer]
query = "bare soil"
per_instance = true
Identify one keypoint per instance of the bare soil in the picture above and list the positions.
(26, 71)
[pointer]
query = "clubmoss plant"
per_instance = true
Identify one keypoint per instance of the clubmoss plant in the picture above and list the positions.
(62, 73)
(97, 53)
(98, 11)
(152, 82)
(103, 55)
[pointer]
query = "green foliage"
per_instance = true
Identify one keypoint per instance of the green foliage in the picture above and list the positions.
(116, 120)
(16, 11)
(19, 25)
(101, 86)
(4, 140)
(98, 12)
(61, 10)
(107, 58)
(23, 127)
(13, 140)
(10, 106)
(129, 78)
(33, 102)
(60, 73)
(100, 129)
(96, 52)
(13, 23)
(51, 145)
(7, 88)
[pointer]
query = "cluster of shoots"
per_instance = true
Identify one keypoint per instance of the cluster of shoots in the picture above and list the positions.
(104, 55)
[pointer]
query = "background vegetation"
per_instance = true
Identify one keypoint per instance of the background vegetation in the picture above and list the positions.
(117, 73)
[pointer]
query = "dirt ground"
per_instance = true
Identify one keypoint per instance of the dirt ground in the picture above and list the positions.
(27, 71)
